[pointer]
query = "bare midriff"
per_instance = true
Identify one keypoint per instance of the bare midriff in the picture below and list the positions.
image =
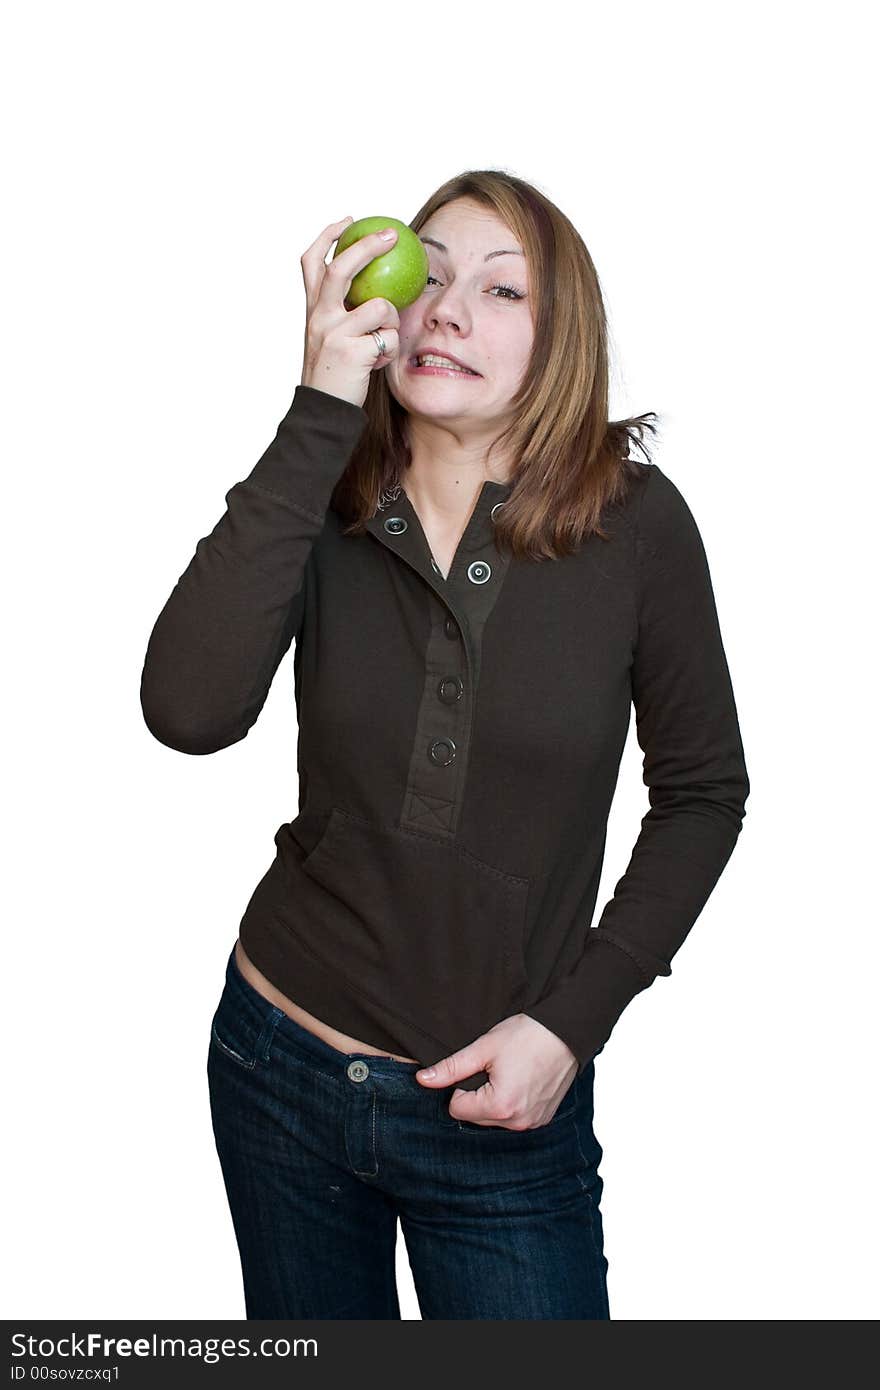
(341, 1041)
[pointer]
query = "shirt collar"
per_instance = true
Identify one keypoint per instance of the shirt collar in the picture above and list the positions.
(410, 541)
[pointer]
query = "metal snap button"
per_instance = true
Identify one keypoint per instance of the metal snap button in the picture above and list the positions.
(441, 751)
(450, 689)
(358, 1071)
(478, 571)
(395, 524)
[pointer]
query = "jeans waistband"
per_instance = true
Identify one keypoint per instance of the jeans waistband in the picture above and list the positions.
(317, 1048)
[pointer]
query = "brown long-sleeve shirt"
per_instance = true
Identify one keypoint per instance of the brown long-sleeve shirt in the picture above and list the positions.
(459, 745)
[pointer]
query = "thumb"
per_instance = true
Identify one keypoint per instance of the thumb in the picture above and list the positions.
(455, 1067)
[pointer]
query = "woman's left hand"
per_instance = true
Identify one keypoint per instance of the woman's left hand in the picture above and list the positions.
(529, 1069)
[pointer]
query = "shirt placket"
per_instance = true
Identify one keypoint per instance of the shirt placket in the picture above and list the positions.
(460, 606)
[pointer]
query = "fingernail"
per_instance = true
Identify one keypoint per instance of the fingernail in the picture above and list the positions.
(428, 1073)
(388, 233)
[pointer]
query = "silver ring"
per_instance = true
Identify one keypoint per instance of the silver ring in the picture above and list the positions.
(380, 342)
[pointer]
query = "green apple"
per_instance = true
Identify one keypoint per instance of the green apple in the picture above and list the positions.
(400, 275)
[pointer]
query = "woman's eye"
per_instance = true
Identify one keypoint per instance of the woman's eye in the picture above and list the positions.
(510, 292)
(513, 294)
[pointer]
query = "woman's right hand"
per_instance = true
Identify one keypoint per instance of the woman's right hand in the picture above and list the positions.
(340, 352)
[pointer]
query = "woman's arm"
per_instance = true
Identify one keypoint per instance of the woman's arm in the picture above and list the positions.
(694, 768)
(233, 613)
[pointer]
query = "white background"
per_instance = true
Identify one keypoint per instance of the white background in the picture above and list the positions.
(165, 166)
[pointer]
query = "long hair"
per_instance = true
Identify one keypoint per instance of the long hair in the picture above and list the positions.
(571, 460)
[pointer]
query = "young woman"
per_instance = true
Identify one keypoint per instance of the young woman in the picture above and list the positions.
(480, 583)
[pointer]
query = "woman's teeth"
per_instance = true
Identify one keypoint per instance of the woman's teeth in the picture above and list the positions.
(443, 362)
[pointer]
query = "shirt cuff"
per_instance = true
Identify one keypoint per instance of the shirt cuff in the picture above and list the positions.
(584, 1007)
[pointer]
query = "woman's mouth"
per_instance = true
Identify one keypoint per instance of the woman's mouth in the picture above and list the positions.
(435, 366)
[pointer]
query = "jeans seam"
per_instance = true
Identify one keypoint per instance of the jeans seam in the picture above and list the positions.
(586, 1191)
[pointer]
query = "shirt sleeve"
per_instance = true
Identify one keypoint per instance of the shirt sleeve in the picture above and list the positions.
(233, 613)
(694, 768)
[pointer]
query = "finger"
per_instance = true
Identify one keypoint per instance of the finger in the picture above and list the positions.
(370, 317)
(479, 1107)
(373, 313)
(392, 347)
(322, 243)
(456, 1067)
(313, 260)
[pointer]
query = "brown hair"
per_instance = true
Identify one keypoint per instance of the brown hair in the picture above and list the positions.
(572, 461)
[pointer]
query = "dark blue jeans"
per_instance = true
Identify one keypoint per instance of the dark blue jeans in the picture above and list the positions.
(322, 1151)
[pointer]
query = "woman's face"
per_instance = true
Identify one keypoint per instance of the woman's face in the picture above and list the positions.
(469, 308)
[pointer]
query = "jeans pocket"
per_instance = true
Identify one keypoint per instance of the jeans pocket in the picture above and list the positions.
(565, 1110)
(243, 1035)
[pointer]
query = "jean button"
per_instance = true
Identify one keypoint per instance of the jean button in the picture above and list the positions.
(358, 1071)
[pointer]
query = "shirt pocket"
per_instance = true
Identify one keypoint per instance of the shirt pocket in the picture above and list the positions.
(421, 925)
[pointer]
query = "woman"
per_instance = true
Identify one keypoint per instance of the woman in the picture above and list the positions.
(480, 583)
